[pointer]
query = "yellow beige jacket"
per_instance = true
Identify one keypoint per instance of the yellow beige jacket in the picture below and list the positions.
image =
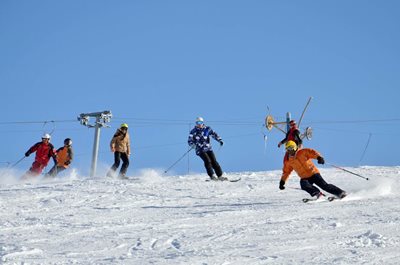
(121, 142)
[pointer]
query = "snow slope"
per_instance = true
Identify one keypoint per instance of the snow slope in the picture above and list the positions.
(155, 219)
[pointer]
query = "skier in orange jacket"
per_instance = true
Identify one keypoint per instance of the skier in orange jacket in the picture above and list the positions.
(301, 162)
(64, 159)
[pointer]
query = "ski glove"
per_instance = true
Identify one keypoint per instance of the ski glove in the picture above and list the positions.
(221, 143)
(27, 154)
(281, 185)
(321, 160)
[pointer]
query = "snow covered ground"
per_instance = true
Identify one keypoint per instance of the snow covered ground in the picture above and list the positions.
(156, 219)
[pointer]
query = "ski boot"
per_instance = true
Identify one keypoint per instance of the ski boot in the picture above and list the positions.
(213, 177)
(222, 178)
(342, 195)
(122, 176)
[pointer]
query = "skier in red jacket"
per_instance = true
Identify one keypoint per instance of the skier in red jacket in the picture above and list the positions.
(292, 135)
(44, 151)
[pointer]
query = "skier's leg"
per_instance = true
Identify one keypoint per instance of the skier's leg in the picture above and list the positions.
(125, 165)
(59, 170)
(34, 170)
(307, 185)
(52, 172)
(117, 158)
(215, 164)
(320, 182)
(207, 164)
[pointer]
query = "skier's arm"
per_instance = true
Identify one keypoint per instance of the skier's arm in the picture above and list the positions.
(286, 172)
(298, 138)
(311, 153)
(53, 153)
(216, 137)
(70, 155)
(33, 149)
(112, 144)
(191, 142)
(128, 145)
(284, 140)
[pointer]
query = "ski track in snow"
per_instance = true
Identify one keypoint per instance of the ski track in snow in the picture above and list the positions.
(155, 219)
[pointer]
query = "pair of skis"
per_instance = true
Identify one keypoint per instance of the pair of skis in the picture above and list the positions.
(329, 198)
(223, 180)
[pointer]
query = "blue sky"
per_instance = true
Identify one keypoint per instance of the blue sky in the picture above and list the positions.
(157, 65)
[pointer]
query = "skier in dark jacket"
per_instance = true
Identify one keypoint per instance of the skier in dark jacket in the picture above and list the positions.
(199, 138)
(44, 151)
(292, 135)
(64, 158)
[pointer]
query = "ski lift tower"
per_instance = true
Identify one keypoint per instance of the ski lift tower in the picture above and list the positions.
(102, 118)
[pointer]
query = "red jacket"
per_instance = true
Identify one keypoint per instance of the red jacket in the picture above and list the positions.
(43, 152)
(293, 135)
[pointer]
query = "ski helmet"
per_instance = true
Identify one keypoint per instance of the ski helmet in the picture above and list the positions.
(199, 120)
(291, 145)
(46, 136)
(124, 125)
(292, 123)
(68, 141)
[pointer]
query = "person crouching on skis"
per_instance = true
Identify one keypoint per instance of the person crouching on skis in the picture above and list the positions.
(301, 162)
(44, 151)
(64, 159)
(199, 138)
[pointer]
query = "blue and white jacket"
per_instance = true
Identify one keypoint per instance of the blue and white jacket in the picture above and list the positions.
(200, 138)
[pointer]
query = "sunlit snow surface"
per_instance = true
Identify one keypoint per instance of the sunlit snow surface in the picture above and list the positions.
(156, 219)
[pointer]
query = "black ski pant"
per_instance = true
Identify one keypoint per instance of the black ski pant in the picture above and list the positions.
(210, 163)
(308, 185)
(54, 171)
(118, 156)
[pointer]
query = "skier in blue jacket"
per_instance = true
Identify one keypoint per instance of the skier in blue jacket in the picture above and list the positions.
(199, 138)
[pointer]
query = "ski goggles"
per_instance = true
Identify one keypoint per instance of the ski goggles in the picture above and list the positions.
(199, 123)
(291, 148)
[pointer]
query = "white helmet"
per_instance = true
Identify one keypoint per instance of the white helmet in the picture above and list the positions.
(46, 136)
(199, 119)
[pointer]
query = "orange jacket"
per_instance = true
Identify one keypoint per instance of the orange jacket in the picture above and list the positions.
(301, 163)
(64, 156)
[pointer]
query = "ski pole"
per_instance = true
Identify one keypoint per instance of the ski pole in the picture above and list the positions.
(178, 160)
(348, 171)
(16, 163)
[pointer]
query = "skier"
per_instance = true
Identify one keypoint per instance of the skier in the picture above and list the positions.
(199, 138)
(301, 162)
(120, 146)
(292, 135)
(64, 158)
(44, 151)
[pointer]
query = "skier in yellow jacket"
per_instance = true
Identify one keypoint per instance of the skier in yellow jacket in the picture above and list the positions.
(121, 147)
(301, 162)
(64, 158)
